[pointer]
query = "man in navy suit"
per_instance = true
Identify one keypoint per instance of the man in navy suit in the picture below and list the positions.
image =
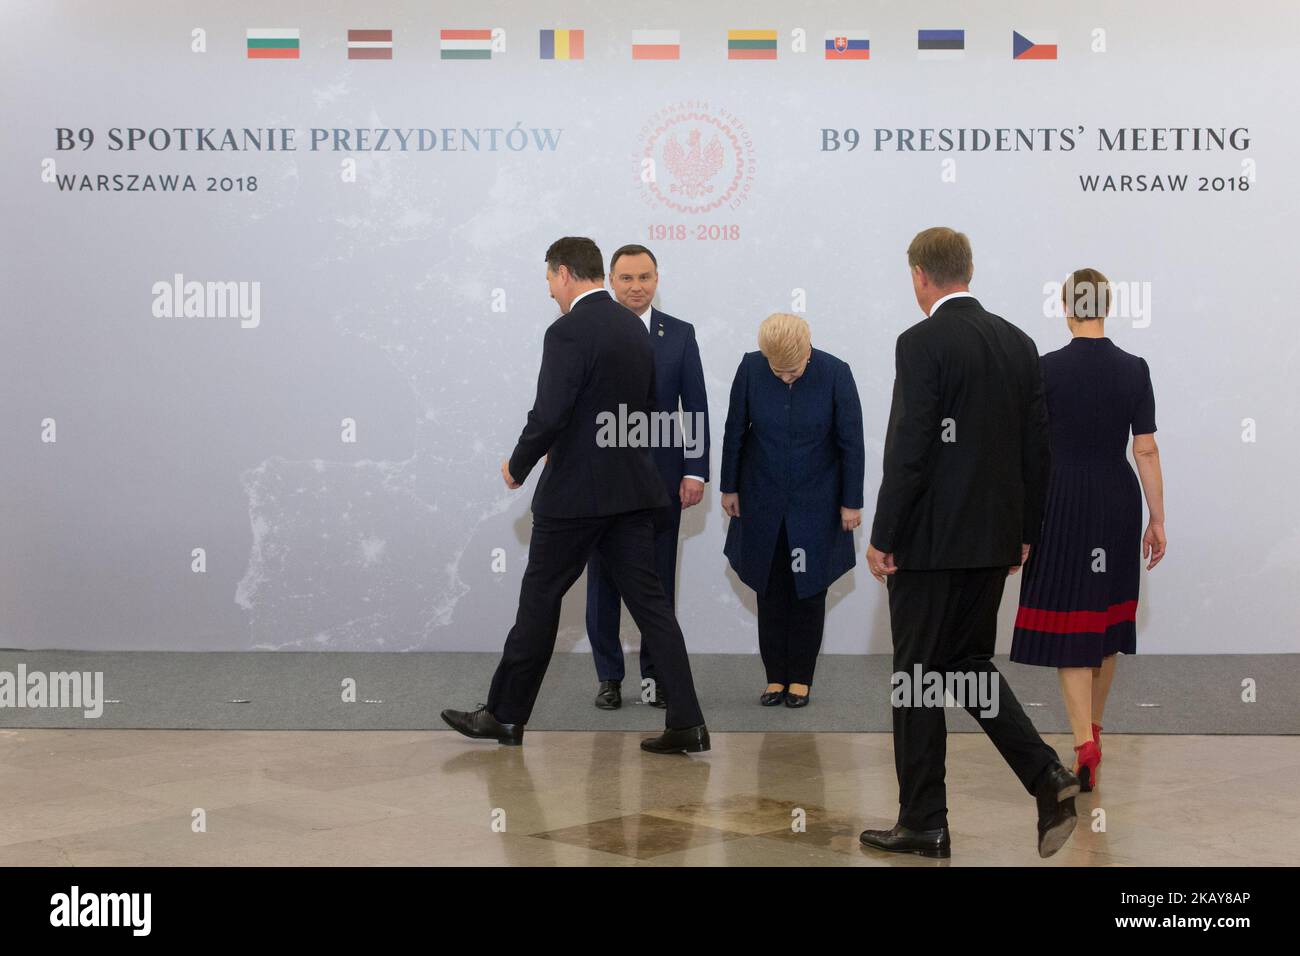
(683, 464)
(594, 495)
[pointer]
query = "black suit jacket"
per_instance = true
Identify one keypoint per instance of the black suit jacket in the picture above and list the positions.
(595, 358)
(966, 453)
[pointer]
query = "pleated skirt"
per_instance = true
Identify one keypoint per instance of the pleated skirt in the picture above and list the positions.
(1078, 599)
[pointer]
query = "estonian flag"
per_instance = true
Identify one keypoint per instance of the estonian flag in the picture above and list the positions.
(940, 44)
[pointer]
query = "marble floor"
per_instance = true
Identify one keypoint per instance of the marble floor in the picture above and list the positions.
(137, 797)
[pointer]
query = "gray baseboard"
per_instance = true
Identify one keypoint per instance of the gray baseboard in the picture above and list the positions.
(1152, 694)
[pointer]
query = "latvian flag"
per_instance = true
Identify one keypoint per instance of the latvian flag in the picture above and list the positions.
(466, 44)
(562, 45)
(940, 44)
(1023, 48)
(751, 44)
(847, 45)
(273, 43)
(370, 44)
(656, 45)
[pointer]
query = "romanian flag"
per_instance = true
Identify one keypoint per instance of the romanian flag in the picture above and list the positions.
(656, 45)
(562, 45)
(466, 44)
(940, 44)
(275, 43)
(1023, 48)
(847, 45)
(751, 44)
(370, 44)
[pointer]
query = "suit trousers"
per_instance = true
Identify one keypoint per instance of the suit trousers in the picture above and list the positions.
(946, 622)
(557, 553)
(603, 599)
(789, 627)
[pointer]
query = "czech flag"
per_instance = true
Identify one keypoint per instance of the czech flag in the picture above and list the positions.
(1023, 48)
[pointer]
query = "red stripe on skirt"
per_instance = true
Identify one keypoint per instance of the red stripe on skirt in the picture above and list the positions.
(1075, 622)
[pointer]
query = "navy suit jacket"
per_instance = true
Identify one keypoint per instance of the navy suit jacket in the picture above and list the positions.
(679, 374)
(794, 454)
(595, 358)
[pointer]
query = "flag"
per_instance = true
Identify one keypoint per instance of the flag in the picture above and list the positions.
(370, 44)
(940, 44)
(751, 44)
(847, 45)
(562, 45)
(272, 43)
(656, 45)
(1023, 48)
(466, 44)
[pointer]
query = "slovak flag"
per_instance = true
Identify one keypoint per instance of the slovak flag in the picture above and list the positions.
(847, 45)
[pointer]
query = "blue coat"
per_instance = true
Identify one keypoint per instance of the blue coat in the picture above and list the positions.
(793, 453)
(679, 373)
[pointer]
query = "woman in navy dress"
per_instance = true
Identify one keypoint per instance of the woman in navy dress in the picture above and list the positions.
(791, 480)
(1078, 600)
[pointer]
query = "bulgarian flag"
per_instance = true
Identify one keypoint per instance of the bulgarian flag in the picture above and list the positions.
(272, 43)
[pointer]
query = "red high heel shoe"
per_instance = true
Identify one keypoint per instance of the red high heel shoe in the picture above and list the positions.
(1086, 764)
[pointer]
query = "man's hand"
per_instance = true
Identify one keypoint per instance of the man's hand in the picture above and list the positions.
(1024, 556)
(731, 503)
(691, 492)
(505, 475)
(850, 518)
(880, 563)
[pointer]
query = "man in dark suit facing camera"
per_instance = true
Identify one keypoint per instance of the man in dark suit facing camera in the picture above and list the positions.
(960, 504)
(599, 491)
(683, 463)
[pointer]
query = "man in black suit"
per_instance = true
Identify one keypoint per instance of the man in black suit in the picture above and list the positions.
(598, 492)
(683, 463)
(960, 504)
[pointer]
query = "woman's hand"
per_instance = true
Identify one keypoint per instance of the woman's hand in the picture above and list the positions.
(1153, 543)
(850, 518)
(731, 503)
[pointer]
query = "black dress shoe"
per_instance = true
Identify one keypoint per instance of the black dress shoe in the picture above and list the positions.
(931, 843)
(772, 698)
(481, 725)
(689, 740)
(797, 700)
(1055, 793)
(659, 698)
(609, 696)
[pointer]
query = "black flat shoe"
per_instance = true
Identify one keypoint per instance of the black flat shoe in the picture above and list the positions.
(689, 740)
(797, 700)
(929, 843)
(1055, 793)
(481, 725)
(772, 698)
(609, 696)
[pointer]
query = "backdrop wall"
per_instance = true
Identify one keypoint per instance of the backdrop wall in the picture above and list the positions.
(393, 278)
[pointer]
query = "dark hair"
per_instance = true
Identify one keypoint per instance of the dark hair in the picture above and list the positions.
(1086, 295)
(579, 255)
(631, 250)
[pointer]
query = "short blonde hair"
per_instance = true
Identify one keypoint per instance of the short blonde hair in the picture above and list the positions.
(784, 339)
(1086, 295)
(943, 254)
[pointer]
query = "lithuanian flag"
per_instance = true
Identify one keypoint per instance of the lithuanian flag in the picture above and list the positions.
(751, 44)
